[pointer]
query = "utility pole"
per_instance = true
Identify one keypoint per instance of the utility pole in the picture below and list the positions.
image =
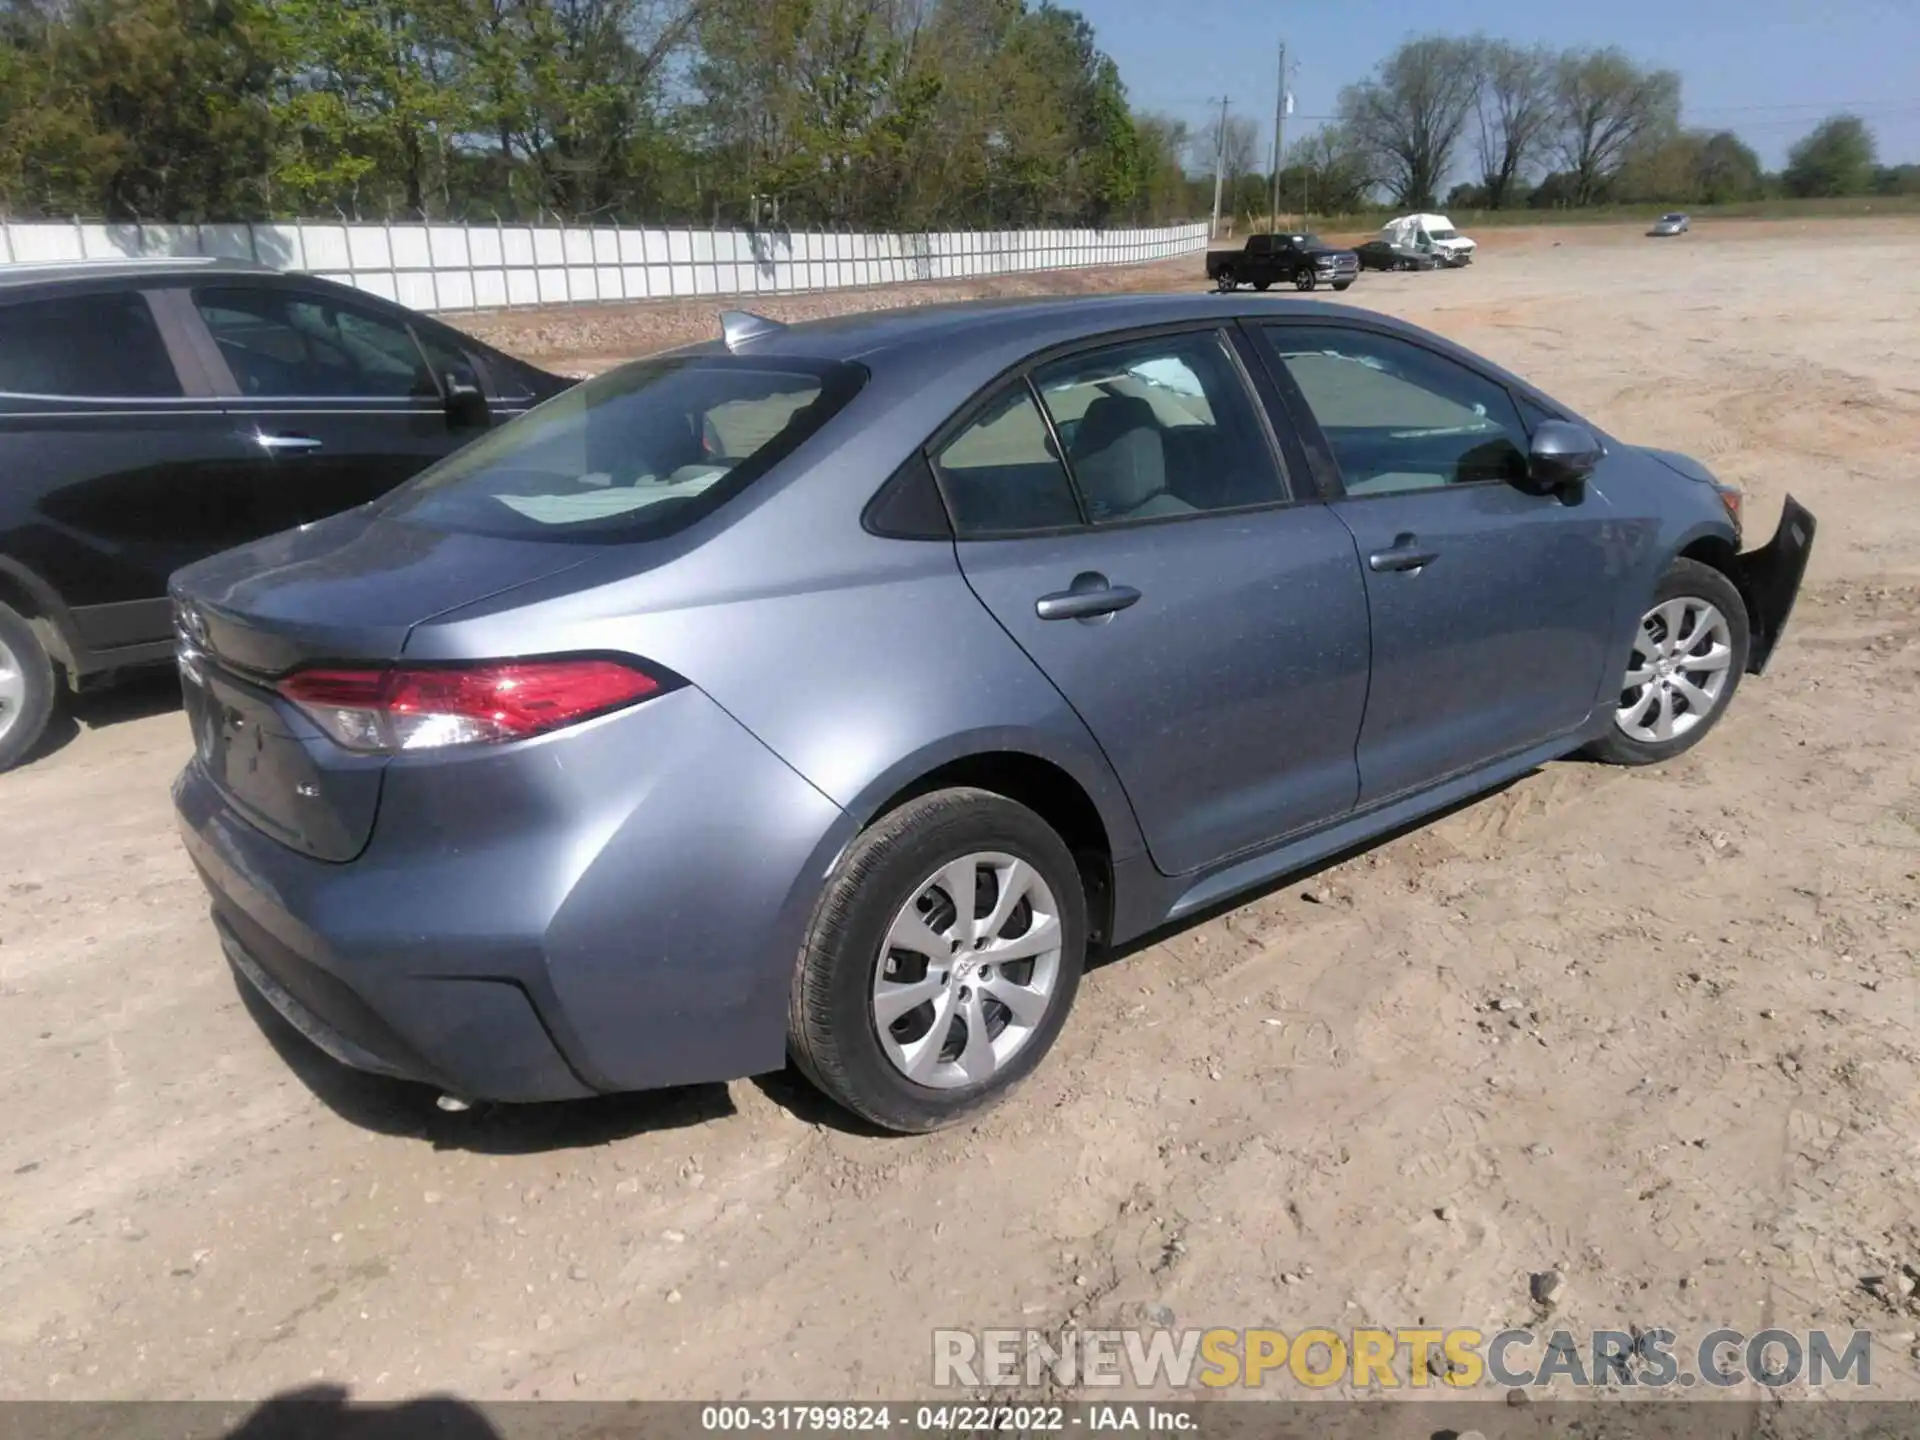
(1219, 168)
(1279, 138)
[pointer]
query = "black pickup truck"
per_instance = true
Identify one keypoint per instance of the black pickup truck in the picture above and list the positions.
(1295, 258)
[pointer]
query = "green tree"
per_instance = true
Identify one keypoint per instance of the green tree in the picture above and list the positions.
(1160, 187)
(52, 155)
(1609, 106)
(1728, 170)
(1897, 180)
(369, 109)
(1838, 158)
(146, 109)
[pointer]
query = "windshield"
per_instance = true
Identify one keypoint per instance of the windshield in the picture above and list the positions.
(634, 454)
(1306, 241)
(1447, 234)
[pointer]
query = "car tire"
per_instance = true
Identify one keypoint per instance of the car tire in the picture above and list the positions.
(1225, 280)
(26, 688)
(1305, 281)
(894, 884)
(1684, 700)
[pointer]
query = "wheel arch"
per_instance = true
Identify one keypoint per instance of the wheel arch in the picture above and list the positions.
(1721, 551)
(37, 603)
(1046, 785)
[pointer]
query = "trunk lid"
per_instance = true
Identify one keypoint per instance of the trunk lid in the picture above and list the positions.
(346, 590)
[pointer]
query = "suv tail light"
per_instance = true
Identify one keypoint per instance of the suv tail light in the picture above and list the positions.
(384, 711)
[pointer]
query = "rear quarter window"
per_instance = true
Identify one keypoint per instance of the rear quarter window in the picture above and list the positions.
(633, 454)
(101, 346)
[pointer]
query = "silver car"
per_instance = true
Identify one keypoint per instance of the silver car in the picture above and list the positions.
(830, 692)
(1671, 224)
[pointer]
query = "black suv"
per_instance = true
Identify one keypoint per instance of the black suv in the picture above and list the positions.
(155, 412)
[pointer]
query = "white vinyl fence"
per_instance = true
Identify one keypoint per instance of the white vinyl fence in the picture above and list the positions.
(467, 267)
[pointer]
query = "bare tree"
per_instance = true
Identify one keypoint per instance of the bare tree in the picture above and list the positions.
(1409, 117)
(1333, 168)
(1608, 106)
(1242, 146)
(1516, 114)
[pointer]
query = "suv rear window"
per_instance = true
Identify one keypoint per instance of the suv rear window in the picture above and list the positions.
(97, 346)
(636, 453)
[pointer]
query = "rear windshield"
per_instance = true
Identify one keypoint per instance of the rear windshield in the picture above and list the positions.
(634, 454)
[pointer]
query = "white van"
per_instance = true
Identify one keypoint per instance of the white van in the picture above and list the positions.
(1431, 235)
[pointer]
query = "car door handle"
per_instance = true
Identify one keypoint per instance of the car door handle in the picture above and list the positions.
(1085, 604)
(1404, 554)
(286, 444)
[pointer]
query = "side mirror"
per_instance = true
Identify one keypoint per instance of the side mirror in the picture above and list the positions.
(1561, 458)
(467, 407)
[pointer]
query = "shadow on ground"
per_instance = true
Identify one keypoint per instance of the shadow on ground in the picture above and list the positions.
(324, 1413)
(148, 692)
(398, 1107)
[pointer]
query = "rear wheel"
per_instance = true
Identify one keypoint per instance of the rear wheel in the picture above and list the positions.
(941, 962)
(1225, 280)
(1689, 653)
(26, 688)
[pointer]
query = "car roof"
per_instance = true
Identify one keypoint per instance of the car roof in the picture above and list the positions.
(956, 329)
(28, 274)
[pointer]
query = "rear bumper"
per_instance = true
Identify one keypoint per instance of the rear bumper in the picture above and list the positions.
(1769, 580)
(617, 907)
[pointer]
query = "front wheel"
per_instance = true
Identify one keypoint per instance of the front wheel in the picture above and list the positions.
(26, 688)
(1689, 653)
(942, 961)
(1305, 280)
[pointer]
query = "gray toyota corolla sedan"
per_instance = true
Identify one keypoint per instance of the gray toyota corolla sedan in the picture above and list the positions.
(827, 692)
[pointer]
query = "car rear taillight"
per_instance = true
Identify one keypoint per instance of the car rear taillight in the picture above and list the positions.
(383, 711)
(1731, 497)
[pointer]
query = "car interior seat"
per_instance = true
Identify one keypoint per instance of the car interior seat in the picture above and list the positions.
(1120, 460)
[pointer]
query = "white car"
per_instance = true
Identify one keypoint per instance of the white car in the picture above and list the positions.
(1674, 223)
(1433, 235)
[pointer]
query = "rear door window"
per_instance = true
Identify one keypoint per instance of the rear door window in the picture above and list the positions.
(282, 343)
(1159, 427)
(100, 346)
(633, 454)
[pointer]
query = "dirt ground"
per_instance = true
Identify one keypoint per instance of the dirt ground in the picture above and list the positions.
(1701, 1102)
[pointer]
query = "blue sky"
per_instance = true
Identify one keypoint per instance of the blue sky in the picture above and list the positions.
(1766, 69)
